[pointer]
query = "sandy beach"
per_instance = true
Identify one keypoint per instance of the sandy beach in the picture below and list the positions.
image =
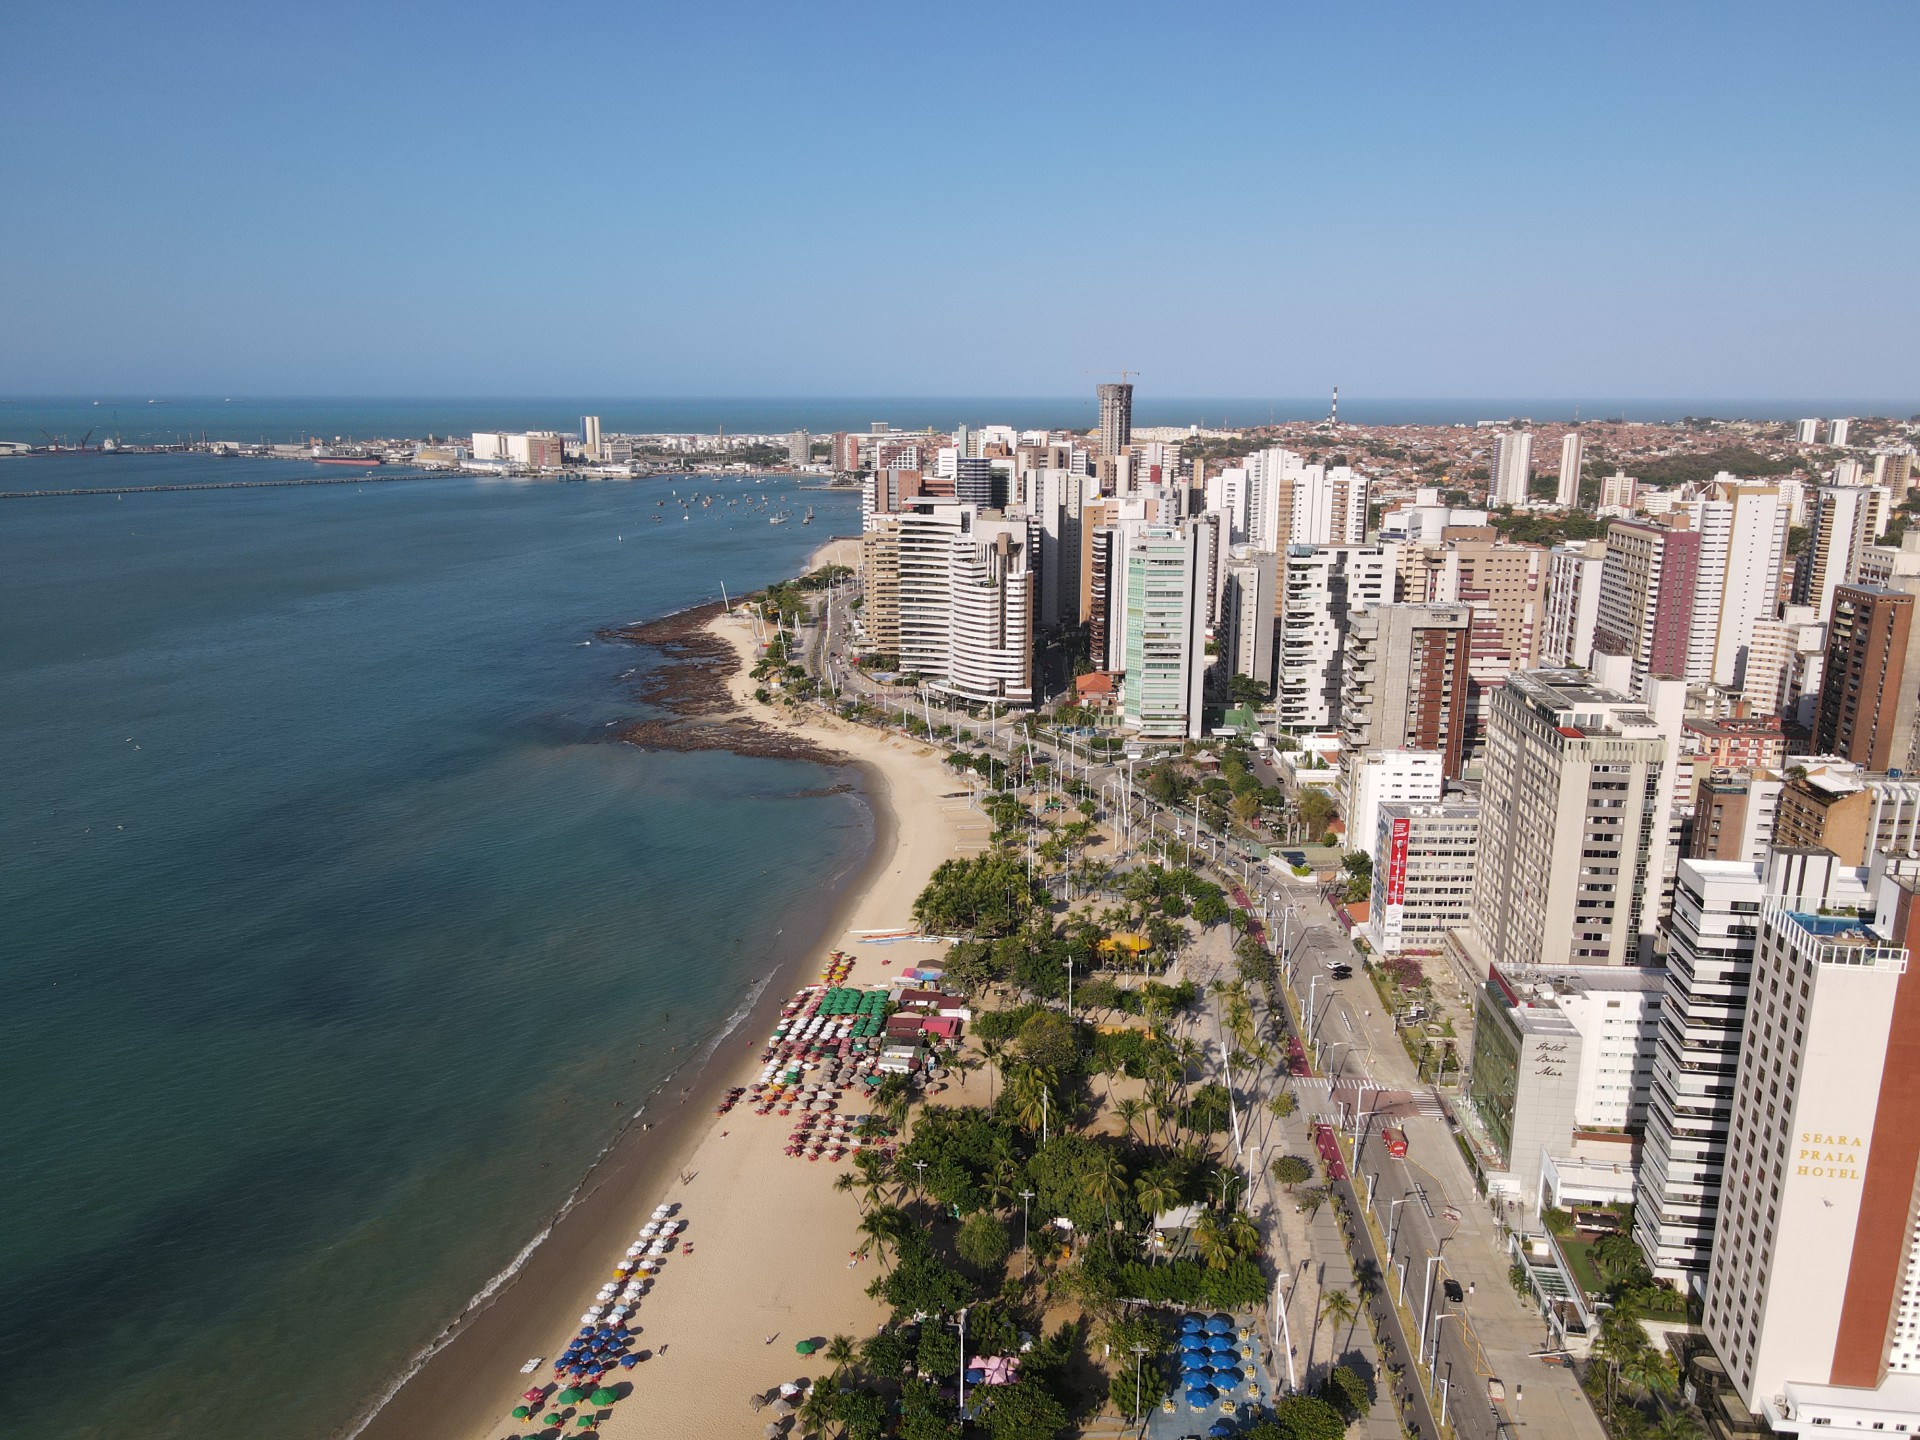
(767, 1239)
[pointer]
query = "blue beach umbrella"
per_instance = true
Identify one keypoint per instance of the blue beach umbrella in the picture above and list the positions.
(1219, 1325)
(1219, 1428)
(1200, 1396)
(1192, 1325)
(1228, 1377)
(1194, 1379)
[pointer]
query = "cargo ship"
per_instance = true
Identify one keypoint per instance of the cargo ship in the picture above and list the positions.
(323, 456)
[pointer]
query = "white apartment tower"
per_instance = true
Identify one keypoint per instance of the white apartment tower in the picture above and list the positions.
(1165, 632)
(1573, 449)
(1320, 587)
(966, 600)
(590, 436)
(1573, 602)
(1716, 919)
(1511, 468)
(1244, 634)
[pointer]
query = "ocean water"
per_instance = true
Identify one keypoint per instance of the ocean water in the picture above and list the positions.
(335, 939)
(159, 419)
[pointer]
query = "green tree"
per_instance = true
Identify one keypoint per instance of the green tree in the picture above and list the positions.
(1283, 1104)
(1291, 1170)
(983, 1241)
(1316, 810)
(1049, 1040)
(839, 1352)
(1347, 1391)
(1245, 690)
(1337, 1308)
(1024, 1410)
(1300, 1417)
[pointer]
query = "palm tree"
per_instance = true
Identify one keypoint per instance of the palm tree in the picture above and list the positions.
(883, 1229)
(820, 1407)
(1128, 1111)
(1337, 1306)
(1106, 1181)
(1157, 1191)
(993, 1052)
(845, 1183)
(1031, 1091)
(1210, 1238)
(1242, 1233)
(839, 1352)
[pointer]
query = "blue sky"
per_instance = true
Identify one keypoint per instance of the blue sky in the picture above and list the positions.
(1406, 199)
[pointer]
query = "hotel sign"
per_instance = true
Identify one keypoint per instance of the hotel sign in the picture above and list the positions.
(1822, 1156)
(1397, 862)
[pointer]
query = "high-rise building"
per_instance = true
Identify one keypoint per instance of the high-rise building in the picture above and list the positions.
(1754, 519)
(799, 448)
(1423, 861)
(1844, 521)
(846, 451)
(1574, 825)
(1813, 1295)
(1573, 449)
(1808, 432)
(1716, 917)
(1870, 686)
(973, 481)
(993, 590)
(1837, 432)
(1783, 662)
(1573, 602)
(1165, 630)
(1116, 419)
(1244, 633)
(1321, 585)
(1511, 469)
(1054, 498)
(880, 584)
(590, 437)
(1646, 604)
(1405, 682)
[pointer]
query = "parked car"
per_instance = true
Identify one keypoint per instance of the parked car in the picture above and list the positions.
(1451, 1289)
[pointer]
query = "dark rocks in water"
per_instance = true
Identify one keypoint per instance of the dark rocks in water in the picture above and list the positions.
(691, 686)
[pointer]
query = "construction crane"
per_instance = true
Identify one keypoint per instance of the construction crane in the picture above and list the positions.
(1123, 374)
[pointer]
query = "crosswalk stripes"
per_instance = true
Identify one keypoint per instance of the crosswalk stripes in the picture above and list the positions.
(1426, 1102)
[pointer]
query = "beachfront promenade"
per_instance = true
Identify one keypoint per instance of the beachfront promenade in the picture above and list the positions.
(1425, 1202)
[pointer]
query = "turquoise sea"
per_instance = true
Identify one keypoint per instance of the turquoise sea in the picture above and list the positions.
(335, 941)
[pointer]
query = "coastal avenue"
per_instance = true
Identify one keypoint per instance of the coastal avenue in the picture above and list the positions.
(1425, 1202)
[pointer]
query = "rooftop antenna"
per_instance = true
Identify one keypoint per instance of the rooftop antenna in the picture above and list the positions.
(1333, 415)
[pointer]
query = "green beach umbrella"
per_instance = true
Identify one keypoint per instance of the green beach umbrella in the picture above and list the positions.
(585, 1422)
(553, 1419)
(602, 1396)
(572, 1395)
(521, 1412)
(805, 1347)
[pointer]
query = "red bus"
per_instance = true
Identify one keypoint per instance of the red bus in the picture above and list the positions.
(1396, 1140)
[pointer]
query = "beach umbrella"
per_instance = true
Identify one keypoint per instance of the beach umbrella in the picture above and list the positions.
(534, 1396)
(602, 1397)
(585, 1422)
(1219, 1428)
(1193, 1379)
(572, 1395)
(1192, 1325)
(552, 1419)
(783, 1406)
(520, 1412)
(1219, 1325)
(805, 1347)
(1200, 1396)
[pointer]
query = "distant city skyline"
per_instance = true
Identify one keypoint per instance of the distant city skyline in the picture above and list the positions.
(658, 200)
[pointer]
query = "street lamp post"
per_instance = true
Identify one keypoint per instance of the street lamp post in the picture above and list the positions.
(1025, 1196)
(963, 1360)
(1433, 1359)
(1426, 1304)
(1139, 1353)
(1283, 1328)
(1393, 1222)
